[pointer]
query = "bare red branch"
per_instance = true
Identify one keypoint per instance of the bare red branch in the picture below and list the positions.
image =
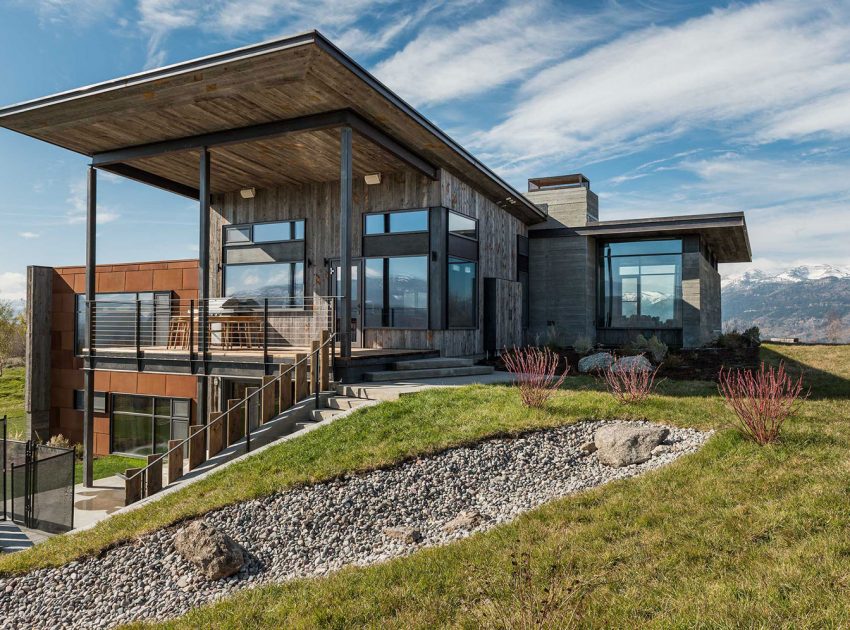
(761, 401)
(629, 384)
(535, 373)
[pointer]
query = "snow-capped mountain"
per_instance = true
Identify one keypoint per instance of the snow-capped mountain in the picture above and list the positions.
(810, 302)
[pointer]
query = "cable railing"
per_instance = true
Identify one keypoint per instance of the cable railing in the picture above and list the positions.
(197, 328)
(216, 435)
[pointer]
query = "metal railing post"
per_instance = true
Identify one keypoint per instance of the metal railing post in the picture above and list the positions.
(191, 341)
(314, 374)
(138, 334)
(265, 335)
(5, 464)
(248, 424)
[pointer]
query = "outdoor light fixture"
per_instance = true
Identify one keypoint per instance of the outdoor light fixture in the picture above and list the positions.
(372, 178)
(248, 193)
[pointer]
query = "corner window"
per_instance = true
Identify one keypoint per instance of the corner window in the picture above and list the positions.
(143, 425)
(398, 222)
(461, 225)
(462, 308)
(396, 292)
(640, 284)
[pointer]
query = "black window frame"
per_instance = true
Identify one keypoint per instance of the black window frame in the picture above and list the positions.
(250, 226)
(387, 213)
(463, 216)
(78, 401)
(81, 298)
(153, 416)
(475, 292)
(386, 292)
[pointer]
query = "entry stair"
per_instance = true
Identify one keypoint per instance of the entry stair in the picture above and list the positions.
(437, 367)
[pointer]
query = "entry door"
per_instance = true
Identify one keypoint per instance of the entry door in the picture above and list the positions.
(356, 298)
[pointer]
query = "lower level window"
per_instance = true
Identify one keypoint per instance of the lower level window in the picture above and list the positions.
(143, 425)
(396, 292)
(463, 293)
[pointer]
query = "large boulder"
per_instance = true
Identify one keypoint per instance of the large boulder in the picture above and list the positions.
(638, 362)
(624, 444)
(595, 362)
(216, 554)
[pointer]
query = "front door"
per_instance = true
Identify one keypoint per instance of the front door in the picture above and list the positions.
(356, 301)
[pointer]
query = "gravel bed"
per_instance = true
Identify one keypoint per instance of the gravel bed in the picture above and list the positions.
(313, 530)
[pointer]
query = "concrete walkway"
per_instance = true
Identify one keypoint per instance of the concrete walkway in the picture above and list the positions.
(391, 390)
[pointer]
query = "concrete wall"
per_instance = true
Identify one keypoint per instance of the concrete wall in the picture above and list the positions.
(39, 310)
(701, 299)
(66, 374)
(710, 319)
(567, 207)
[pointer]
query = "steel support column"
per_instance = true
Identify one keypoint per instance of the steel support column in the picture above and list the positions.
(203, 285)
(345, 203)
(91, 285)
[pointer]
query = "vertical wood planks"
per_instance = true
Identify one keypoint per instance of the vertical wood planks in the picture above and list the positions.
(325, 362)
(175, 460)
(314, 365)
(300, 377)
(267, 400)
(196, 446)
(285, 389)
(153, 477)
(132, 487)
(216, 435)
(235, 421)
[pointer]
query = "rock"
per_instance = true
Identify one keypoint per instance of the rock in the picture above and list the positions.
(661, 449)
(214, 553)
(408, 535)
(623, 444)
(588, 448)
(638, 362)
(595, 362)
(465, 520)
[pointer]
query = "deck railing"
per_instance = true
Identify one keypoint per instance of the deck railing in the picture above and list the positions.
(238, 325)
(276, 394)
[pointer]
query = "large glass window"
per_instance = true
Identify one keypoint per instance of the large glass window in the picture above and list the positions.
(264, 232)
(461, 225)
(116, 319)
(265, 280)
(641, 284)
(396, 292)
(142, 425)
(463, 293)
(396, 222)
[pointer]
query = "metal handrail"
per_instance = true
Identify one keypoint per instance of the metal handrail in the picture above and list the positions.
(245, 400)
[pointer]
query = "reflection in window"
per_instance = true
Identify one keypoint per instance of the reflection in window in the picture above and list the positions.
(278, 280)
(396, 292)
(462, 226)
(396, 222)
(463, 293)
(641, 284)
(283, 231)
(116, 319)
(143, 425)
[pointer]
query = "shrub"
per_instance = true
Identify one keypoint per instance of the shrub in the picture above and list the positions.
(553, 337)
(733, 340)
(761, 401)
(535, 372)
(582, 344)
(59, 441)
(629, 384)
(657, 349)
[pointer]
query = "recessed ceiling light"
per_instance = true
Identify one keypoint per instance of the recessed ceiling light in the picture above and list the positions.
(372, 179)
(248, 193)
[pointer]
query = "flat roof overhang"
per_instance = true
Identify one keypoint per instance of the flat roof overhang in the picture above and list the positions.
(725, 233)
(285, 82)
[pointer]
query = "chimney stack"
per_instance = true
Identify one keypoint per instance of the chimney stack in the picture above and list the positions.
(566, 198)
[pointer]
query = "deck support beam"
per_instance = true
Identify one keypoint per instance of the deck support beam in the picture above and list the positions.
(345, 204)
(203, 282)
(91, 286)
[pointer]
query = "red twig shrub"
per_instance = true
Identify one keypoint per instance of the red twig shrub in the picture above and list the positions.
(629, 384)
(535, 373)
(761, 401)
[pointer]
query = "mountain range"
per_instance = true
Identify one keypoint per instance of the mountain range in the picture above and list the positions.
(809, 302)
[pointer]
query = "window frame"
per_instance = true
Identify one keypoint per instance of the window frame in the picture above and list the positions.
(386, 214)
(386, 290)
(475, 293)
(475, 238)
(81, 297)
(250, 226)
(152, 416)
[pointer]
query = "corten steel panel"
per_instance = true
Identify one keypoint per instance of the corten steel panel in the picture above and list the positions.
(101, 443)
(102, 381)
(123, 382)
(111, 282)
(179, 386)
(139, 281)
(101, 423)
(190, 279)
(167, 279)
(151, 384)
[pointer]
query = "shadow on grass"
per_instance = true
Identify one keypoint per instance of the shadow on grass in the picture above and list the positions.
(823, 384)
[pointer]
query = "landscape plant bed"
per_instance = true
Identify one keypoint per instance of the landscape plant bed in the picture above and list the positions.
(357, 520)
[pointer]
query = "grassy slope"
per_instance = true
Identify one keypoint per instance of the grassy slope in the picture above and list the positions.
(736, 535)
(12, 398)
(370, 438)
(107, 466)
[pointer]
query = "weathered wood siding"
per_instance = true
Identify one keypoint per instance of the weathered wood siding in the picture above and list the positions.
(39, 310)
(319, 205)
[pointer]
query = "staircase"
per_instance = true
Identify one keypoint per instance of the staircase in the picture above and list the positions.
(438, 367)
(333, 406)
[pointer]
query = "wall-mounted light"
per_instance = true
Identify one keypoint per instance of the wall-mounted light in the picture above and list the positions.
(372, 179)
(248, 193)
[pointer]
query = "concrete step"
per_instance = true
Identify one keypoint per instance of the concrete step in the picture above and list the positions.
(303, 424)
(404, 375)
(343, 402)
(318, 415)
(436, 362)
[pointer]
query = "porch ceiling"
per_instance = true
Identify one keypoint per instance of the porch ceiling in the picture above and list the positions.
(279, 80)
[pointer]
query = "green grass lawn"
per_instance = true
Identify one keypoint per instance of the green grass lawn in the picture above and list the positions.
(12, 399)
(734, 535)
(107, 466)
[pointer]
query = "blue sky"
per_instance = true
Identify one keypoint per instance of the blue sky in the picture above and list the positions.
(668, 107)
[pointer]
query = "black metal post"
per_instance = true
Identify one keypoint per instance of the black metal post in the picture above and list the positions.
(5, 465)
(265, 335)
(333, 336)
(314, 376)
(191, 341)
(91, 261)
(137, 335)
(345, 205)
(204, 282)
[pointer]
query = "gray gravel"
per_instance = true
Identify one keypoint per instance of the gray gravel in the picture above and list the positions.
(313, 530)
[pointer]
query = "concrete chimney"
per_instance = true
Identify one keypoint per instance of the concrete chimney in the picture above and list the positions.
(567, 199)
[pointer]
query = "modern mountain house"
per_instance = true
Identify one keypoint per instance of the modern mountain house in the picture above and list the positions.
(330, 211)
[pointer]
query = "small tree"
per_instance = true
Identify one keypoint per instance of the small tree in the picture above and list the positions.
(761, 401)
(629, 383)
(535, 373)
(12, 328)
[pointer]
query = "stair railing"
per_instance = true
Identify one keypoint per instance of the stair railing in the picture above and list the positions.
(133, 477)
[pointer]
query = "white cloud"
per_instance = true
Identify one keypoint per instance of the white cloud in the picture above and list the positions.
(738, 71)
(13, 286)
(77, 197)
(462, 59)
(80, 12)
(28, 235)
